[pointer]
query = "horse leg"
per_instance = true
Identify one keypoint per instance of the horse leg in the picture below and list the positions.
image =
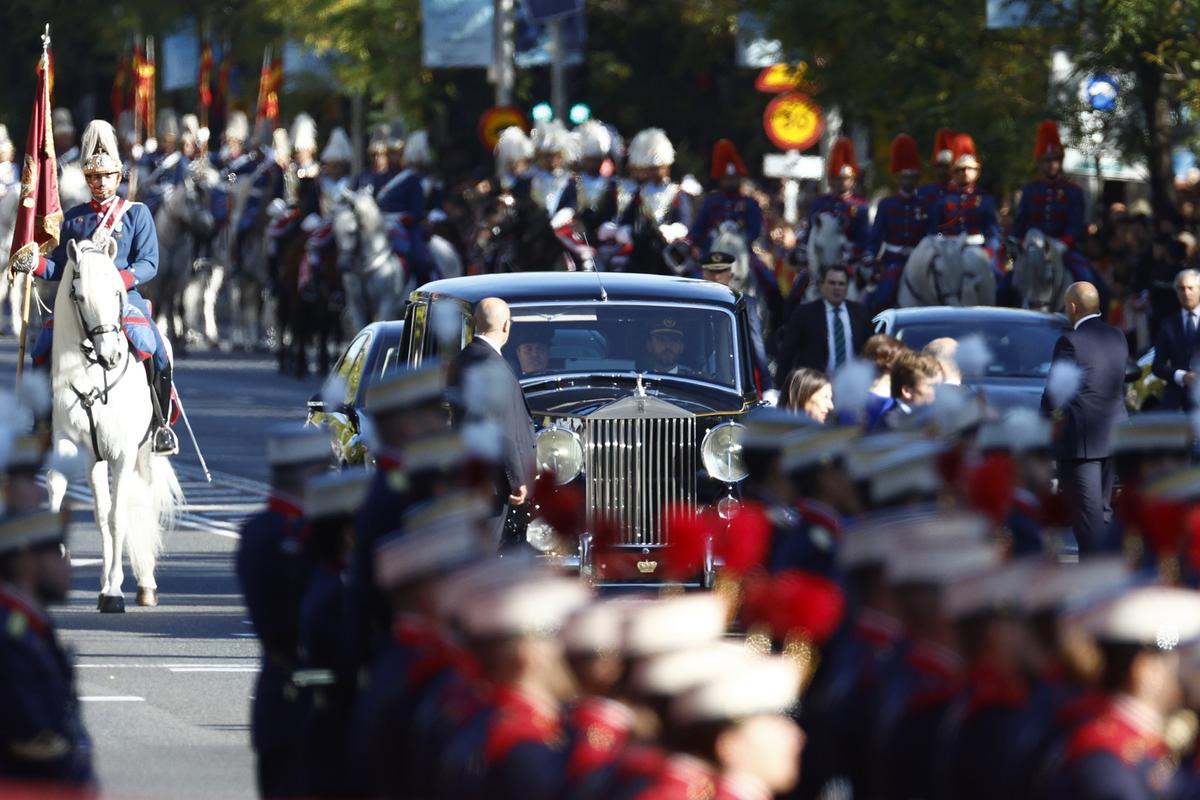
(57, 481)
(110, 550)
(212, 288)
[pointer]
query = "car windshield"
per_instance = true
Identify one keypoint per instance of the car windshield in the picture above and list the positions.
(684, 341)
(1019, 349)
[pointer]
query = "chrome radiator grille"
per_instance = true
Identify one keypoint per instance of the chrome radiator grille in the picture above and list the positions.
(637, 466)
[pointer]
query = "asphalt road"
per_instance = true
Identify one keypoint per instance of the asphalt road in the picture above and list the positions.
(167, 690)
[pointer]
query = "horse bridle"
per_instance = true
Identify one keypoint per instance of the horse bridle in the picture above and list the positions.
(88, 347)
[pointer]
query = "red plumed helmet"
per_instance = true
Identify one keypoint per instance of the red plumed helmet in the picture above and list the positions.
(744, 542)
(964, 151)
(904, 155)
(688, 535)
(794, 603)
(990, 486)
(726, 160)
(1048, 143)
(943, 146)
(841, 158)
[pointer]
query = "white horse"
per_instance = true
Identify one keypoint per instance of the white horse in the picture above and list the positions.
(374, 276)
(729, 239)
(945, 271)
(1038, 272)
(102, 407)
(13, 289)
(827, 246)
(184, 218)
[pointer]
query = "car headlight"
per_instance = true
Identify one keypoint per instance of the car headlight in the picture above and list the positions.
(559, 452)
(541, 536)
(721, 452)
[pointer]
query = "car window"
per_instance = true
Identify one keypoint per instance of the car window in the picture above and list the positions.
(349, 366)
(1018, 350)
(684, 341)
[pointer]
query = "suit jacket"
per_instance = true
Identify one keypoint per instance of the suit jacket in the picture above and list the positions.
(505, 406)
(1088, 417)
(804, 340)
(1173, 351)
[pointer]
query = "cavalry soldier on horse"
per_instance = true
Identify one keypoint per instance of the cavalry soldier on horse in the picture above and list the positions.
(900, 223)
(930, 194)
(131, 226)
(728, 203)
(846, 205)
(963, 209)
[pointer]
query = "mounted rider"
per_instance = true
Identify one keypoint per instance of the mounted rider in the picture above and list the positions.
(234, 158)
(595, 191)
(1055, 205)
(163, 166)
(403, 203)
(300, 197)
(418, 155)
(963, 209)
(901, 221)
(131, 225)
(514, 155)
(552, 185)
(728, 202)
(333, 179)
(379, 170)
(942, 162)
(659, 210)
(846, 205)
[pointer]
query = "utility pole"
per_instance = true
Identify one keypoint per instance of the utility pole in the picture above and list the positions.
(505, 51)
(558, 57)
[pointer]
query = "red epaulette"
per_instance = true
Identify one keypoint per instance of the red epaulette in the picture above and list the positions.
(1109, 733)
(990, 689)
(289, 507)
(519, 721)
(820, 515)
(19, 605)
(941, 679)
(601, 727)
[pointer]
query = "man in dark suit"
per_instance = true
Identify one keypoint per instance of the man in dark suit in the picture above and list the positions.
(1175, 345)
(1085, 421)
(811, 338)
(483, 388)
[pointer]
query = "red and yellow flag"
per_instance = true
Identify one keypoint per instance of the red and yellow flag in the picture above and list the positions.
(39, 214)
(121, 87)
(270, 83)
(206, 65)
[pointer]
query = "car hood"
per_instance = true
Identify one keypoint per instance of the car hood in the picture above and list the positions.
(580, 398)
(1009, 393)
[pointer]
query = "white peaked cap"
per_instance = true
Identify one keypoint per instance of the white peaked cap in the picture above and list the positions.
(674, 623)
(406, 389)
(281, 142)
(289, 444)
(994, 590)
(1054, 586)
(237, 127)
(1154, 616)
(678, 671)
(939, 564)
(552, 137)
(441, 451)
(867, 451)
(417, 150)
(1153, 430)
(304, 133)
(811, 448)
(912, 469)
(168, 123)
(336, 494)
(190, 123)
(770, 428)
(870, 538)
(18, 531)
(99, 151)
(24, 452)
(513, 145)
(651, 148)
(595, 139)
(1020, 431)
(764, 685)
(453, 592)
(599, 629)
(338, 148)
(435, 545)
(538, 607)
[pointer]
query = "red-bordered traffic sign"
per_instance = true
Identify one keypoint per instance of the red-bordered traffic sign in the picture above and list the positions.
(496, 119)
(781, 78)
(793, 121)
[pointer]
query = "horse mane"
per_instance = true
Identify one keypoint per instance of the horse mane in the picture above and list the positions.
(95, 280)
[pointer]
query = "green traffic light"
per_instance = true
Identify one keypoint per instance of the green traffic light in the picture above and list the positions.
(580, 113)
(542, 112)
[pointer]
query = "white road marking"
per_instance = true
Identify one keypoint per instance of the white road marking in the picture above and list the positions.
(85, 562)
(111, 698)
(213, 669)
(173, 667)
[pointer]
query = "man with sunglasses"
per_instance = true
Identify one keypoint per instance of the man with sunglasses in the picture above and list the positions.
(131, 226)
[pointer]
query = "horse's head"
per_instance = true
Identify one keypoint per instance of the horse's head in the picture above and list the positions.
(827, 242)
(1036, 270)
(99, 297)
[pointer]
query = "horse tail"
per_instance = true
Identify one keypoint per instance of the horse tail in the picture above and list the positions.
(159, 506)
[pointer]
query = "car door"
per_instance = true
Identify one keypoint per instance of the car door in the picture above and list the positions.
(340, 388)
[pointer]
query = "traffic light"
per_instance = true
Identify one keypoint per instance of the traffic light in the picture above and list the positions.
(580, 113)
(542, 112)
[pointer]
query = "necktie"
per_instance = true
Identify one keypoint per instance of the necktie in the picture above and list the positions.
(839, 338)
(1191, 329)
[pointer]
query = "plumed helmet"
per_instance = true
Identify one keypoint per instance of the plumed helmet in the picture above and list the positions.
(304, 133)
(125, 127)
(552, 137)
(1048, 144)
(168, 123)
(99, 152)
(380, 134)
(965, 154)
(513, 145)
(651, 148)
(841, 158)
(904, 155)
(281, 143)
(396, 131)
(338, 148)
(190, 123)
(943, 146)
(595, 139)
(726, 160)
(417, 150)
(237, 128)
(61, 119)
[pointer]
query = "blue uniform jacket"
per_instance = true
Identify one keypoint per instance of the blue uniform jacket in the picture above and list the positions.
(136, 238)
(403, 194)
(1053, 207)
(718, 207)
(930, 194)
(851, 211)
(969, 212)
(901, 221)
(42, 737)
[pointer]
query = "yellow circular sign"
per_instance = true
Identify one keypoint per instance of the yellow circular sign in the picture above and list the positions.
(793, 121)
(781, 77)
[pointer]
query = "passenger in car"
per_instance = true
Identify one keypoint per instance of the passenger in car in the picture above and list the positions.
(665, 346)
(533, 349)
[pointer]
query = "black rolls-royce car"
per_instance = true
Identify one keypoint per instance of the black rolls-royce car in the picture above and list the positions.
(635, 383)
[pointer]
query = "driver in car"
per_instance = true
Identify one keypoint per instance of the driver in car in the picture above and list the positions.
(533, 350)
(665, 347)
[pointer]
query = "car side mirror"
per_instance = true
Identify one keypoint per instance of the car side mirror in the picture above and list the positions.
(1133, 372)
(316, 404)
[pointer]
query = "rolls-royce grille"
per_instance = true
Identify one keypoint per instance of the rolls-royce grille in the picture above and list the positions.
(635, 468)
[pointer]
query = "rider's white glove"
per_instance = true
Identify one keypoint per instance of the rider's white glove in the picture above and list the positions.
(311, 223)
(771, 397)
(673, 231)
(1060, 246)
(277, 208)
(607, 231)
(564, 216)
(624, 236)
(25, 263)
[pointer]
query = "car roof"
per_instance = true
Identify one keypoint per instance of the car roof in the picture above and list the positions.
(951, 314)
(521, 287)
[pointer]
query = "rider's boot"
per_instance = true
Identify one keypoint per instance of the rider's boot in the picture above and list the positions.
(163, 439)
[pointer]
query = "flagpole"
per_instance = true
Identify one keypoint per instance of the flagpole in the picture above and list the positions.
(27, 278)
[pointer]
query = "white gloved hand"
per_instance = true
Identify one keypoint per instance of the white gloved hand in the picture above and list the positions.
(24, 263)
(277, 208)
(771, 397)
(624, 236)
(673, 231)
(564, 216)
(1060, 246)
(311, 223)
(607, 231)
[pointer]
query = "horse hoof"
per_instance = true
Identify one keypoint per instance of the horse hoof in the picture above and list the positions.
(147, 597)
(112, 604)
